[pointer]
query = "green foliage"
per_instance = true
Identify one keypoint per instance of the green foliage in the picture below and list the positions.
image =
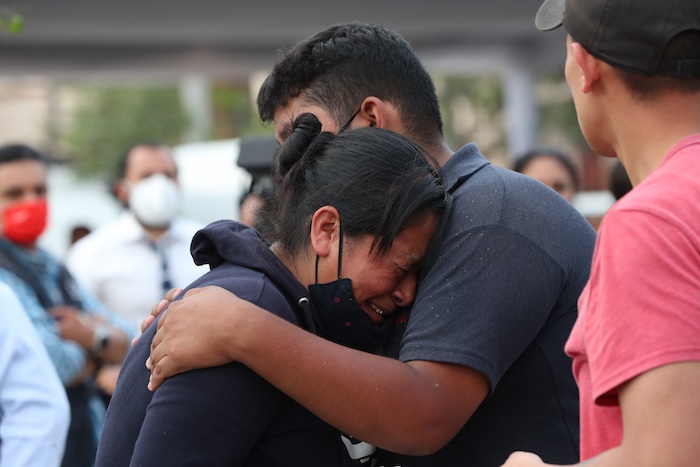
(557, 114)
(234, 112)
(472, 110)
(110, 119)
(11, 22)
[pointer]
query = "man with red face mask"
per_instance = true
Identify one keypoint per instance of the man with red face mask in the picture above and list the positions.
(79, 333)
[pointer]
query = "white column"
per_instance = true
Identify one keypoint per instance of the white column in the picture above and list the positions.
(196, 100)
(520, 108)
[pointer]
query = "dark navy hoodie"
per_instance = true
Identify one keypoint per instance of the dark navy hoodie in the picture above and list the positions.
(227, 415)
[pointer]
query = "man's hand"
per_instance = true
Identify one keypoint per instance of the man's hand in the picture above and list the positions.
(156, 310)
(88, 371)
(73, 325)
(196, 332)
(106, 378)
(524, 459)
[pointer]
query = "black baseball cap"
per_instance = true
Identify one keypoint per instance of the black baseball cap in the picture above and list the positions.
(629, 34)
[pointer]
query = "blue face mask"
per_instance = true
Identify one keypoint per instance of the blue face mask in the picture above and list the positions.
(342, 320)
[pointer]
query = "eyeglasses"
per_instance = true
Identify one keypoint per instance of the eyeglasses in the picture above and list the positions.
(347, 124)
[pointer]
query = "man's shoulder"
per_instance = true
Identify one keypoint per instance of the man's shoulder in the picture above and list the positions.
(470, 172)
(497, 191)
(498, 206)
(19, 279)
(11, 309)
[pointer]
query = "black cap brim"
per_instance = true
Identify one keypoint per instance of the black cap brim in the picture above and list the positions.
(550, 15)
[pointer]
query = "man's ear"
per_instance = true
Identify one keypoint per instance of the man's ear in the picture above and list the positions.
(120, 191)
(379, 113)
(325, 231)
(588, 64)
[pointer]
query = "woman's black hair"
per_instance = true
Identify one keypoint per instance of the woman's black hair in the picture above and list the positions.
(379, 181)
(525, 159)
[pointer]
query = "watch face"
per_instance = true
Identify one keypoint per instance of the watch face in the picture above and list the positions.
(99, 340)
(103, 342)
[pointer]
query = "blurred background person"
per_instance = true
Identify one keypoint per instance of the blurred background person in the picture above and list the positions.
(553, 168)
(79, 333)
(250, 207)
(78, 232)
(34, 410)
(131, 262)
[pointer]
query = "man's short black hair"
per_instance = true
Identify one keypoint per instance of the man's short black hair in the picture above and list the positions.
(20, 152)
(339, 67)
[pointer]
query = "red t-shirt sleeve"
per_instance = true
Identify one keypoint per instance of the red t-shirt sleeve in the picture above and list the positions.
(645, 302)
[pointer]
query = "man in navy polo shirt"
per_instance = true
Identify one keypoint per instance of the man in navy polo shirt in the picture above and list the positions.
(481, 368)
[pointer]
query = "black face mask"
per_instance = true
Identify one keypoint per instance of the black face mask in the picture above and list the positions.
(343, 321)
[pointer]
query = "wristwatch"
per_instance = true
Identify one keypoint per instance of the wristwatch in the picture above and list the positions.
(100, 337)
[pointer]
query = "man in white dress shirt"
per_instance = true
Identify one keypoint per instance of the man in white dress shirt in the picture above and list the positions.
(130, 263)
(34, 410)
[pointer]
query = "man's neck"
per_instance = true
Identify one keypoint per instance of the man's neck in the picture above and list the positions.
(441, 153)
(649, 130)
(155, 234)
(152, 233)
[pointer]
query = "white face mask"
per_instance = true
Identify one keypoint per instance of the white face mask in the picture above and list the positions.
(155, 200)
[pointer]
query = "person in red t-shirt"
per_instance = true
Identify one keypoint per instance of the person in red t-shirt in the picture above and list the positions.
(634, 70)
